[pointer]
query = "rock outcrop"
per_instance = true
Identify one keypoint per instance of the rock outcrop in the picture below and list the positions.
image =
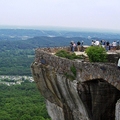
(88, 93)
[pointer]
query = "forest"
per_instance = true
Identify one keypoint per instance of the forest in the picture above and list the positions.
(22, 102)
(16, 62)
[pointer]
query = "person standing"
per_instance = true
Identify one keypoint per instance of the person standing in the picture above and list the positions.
(97, 43)
(82, 46)
(72, 45)
(107, 46)
(78, 46)
(73, 48)
(114, 44)
(103, 43)
(82, 42)
(118, 45)
(92, 43)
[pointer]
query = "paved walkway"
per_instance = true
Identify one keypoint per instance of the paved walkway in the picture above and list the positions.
(80, 53)
(109, 52)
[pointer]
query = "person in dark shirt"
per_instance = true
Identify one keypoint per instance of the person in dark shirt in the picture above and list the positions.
(107, 46)
(118, 45)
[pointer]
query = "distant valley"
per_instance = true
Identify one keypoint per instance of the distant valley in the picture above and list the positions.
(30, 38)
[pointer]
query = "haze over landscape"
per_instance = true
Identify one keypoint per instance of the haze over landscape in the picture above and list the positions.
(70, 14)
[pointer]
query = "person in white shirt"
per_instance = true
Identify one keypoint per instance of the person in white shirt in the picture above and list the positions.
(114, 44)
(97, 43)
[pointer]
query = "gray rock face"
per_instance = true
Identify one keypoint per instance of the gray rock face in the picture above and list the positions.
(54, 111)
(73, 100)
(63, 101)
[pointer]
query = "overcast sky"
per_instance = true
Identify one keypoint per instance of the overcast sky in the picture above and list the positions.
(101, 14)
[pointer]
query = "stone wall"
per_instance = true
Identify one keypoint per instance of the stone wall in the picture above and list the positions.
(113, 58)
(54, 49)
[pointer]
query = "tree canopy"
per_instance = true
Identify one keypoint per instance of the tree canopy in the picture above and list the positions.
(22, 102)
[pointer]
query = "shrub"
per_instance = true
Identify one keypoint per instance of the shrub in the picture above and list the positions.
(96, 54)
(68, 55)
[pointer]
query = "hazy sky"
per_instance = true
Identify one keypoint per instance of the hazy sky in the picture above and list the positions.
(99, 14)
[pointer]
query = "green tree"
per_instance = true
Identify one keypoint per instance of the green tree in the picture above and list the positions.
(96, 54)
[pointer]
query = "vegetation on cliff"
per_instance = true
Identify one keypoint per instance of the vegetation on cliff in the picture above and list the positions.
(96, 54)
(71, 76)
(71, 56)
(68, 55)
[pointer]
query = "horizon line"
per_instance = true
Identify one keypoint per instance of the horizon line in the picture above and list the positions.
(59, 28)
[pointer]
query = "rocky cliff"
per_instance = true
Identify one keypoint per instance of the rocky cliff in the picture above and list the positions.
(86, 92)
